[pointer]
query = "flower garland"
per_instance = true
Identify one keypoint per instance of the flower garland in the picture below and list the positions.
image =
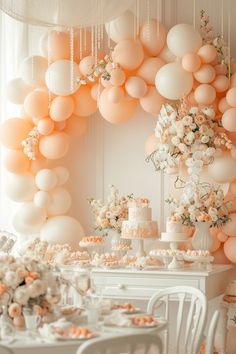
(30, 143)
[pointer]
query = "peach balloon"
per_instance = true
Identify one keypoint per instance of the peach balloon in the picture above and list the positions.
(223, 168)
(86, 65)
(233, 152)
(36, 104)
(60, 125)
(191, 99)
(14, 310)
(116, 112)
(205, 74)
(220, 69)
(45, 126)
(129, 54)
(153, 36)
(231, 97)
(229, 249)
(152, 101)
(233, 80)
(59, 45)
(54, 146)
(222, 237)
(149, 68)
(13, 131)
(219, 256)
(215, 241)
(191, 62)
(115, 94)
(117, 77)
(223, 105)
(95, 91)
(38, 164)
(151, 144)
(16, 162)
(84, 104)
(232, 188)
(76, 126)
(135, 87)
(61, 108)
(230, 227)
(221, 83)
(229, 119)
(207, 53)
(205, 94)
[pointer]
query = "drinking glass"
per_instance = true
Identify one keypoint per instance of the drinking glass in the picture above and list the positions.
(32, 320)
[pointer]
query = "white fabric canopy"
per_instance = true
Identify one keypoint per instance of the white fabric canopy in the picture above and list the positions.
(65, 12)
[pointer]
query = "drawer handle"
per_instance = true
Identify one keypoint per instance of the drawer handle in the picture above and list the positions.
(121, 286)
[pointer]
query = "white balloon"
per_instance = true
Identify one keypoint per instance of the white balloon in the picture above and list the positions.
(17, 90)
(20, 188)
(41, 199)
(166, 55)
(33, 70)
(62, 174)
(223, 168)
(46, 179)
(58, 77)
(60, 201)
(62, 229)
(121, 27)
(183, 39)
(173, 82)
(29, 219)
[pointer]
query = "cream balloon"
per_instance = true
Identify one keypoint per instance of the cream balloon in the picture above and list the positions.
(29, 219)
(173, 82)
(59, 80)
(17, 90)
(61, 230)
(62, 174)
(46, 179)
(33, 70)
(183, 39)
(121, 27)
(41, 199)
(223, 168)
(20, 188)
(60, 201)
(166, 55)
(136, 87)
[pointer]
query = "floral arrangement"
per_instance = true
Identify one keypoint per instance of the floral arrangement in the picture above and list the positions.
(24, 283)
(200, 202)
(111, 213)
(187, 135)
(30, 143)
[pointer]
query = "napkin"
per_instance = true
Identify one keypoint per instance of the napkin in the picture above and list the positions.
(117, 319)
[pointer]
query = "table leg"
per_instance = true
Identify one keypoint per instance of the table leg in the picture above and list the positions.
(221, 331)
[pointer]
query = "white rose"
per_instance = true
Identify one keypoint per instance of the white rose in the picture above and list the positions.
(193, 110)
(210, 152)
(187, 120)
(209, 112)
(175, 140)
(12, 279)
(37, 288)
(21, 295)
(205, 139)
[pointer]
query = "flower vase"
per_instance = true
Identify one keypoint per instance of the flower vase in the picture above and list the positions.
(202, 238)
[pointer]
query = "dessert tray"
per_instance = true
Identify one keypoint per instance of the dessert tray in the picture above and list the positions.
(126, 308)
(92, 241)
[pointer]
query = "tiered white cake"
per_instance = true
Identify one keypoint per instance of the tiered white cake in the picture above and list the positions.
(173, 232)
(139, 224)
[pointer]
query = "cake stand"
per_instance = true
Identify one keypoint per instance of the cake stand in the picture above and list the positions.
(175, 262)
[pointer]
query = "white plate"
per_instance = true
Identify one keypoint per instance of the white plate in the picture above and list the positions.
(160, 324)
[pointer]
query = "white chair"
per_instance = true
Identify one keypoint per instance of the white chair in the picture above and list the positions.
(126, 344)
(211, 333)
(5, 350)
(189, 323)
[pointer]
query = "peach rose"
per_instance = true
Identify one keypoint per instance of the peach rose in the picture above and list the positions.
(14, 310)
(3, 288)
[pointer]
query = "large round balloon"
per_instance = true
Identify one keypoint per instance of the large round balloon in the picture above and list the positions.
(58, 45)
(54, 146)
(62, 229)
(205, 74)
(116, 94)
(116, 112)
(21, 188)
(46, 179)
(62, 77)
(183, 39)
(173, 82)
(41, 199)
(121, 27)
(152, 101)
(229, 249)
(220, 257)
(129, 54)
(135, 86)
(29, 219)
(15, 161)
(13, 131)
(229, 120)
(86, 65)
(17, 90)
(61, 108)
(149, 69)
(76, 126)
(153, 36)
(84, 103)
(62, 174)
(33, 70)
(45, 126)
(36, 104)
(223, 168)
(230, 227)
(60, 201)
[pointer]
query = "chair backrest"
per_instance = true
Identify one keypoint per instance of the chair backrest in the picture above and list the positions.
(5, 350)
(189, 323)
(211, 333)
(127, 343)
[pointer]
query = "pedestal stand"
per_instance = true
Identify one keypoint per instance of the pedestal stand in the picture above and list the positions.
(176, 262)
